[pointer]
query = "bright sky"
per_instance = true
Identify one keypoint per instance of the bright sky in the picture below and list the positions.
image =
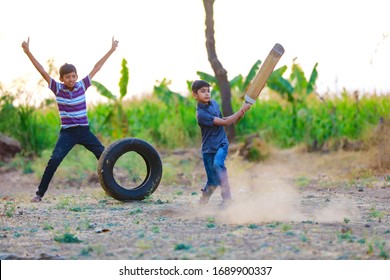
(165, 39)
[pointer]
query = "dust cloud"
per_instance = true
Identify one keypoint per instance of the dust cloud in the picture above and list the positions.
(336, 211)
(267, 192)
(262, 197)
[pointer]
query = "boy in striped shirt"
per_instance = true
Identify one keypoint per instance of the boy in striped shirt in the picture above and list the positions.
(70, 97)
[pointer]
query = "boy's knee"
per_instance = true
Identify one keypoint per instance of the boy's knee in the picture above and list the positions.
(56, 158)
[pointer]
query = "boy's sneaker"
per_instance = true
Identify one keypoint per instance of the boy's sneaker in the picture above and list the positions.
(206, 194)
(36, 198)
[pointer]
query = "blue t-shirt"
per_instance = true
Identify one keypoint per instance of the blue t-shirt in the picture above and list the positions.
(213, 136)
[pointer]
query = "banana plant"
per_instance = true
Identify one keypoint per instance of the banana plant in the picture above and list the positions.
(116, 116)
(295, 89)
(277, 83)
(162, 91)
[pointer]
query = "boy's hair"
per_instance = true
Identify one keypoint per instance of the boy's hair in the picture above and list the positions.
(198, 84)
(66, 69)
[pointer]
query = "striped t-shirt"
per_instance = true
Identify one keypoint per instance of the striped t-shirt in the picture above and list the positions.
(71, 104)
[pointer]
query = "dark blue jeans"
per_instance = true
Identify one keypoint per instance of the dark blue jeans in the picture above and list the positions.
(67, 139)
(214, 164)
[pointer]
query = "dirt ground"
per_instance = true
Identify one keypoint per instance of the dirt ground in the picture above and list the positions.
(295, 205)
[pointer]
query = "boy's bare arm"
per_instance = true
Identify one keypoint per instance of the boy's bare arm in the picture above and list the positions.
(233, 118)
(100, 63)
(37, 65)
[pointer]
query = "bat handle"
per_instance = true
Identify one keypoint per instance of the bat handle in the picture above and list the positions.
(248, 99)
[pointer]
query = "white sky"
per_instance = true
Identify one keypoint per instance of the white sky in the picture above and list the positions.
(165, 39)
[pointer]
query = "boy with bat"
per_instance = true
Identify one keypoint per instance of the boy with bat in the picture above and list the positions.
(214, 141)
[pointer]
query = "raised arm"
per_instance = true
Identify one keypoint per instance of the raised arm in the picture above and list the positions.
(38, 66)
(100, 63)
(233, 118)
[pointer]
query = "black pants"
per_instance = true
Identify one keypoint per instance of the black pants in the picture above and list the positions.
(67, 139)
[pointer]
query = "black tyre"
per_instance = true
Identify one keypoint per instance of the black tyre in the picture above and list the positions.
(146, 184)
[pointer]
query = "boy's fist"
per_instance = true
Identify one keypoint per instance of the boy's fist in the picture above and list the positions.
(26, 45)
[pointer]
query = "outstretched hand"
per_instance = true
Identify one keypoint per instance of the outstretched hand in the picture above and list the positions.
(26, 45)
(100, 63)
(114, 44)
(37, 65)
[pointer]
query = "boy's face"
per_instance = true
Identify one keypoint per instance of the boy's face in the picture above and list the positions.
(203, 95)
(69, 80)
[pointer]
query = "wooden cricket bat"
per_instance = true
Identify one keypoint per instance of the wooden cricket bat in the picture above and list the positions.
(264, 72)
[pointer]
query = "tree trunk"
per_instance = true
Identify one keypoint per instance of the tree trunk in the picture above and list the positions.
(219, 71)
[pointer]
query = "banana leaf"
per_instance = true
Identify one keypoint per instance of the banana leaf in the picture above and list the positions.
(124, 80)
(103, 90)
(312, 81)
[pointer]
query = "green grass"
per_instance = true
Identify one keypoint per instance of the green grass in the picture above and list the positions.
(67, 238)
